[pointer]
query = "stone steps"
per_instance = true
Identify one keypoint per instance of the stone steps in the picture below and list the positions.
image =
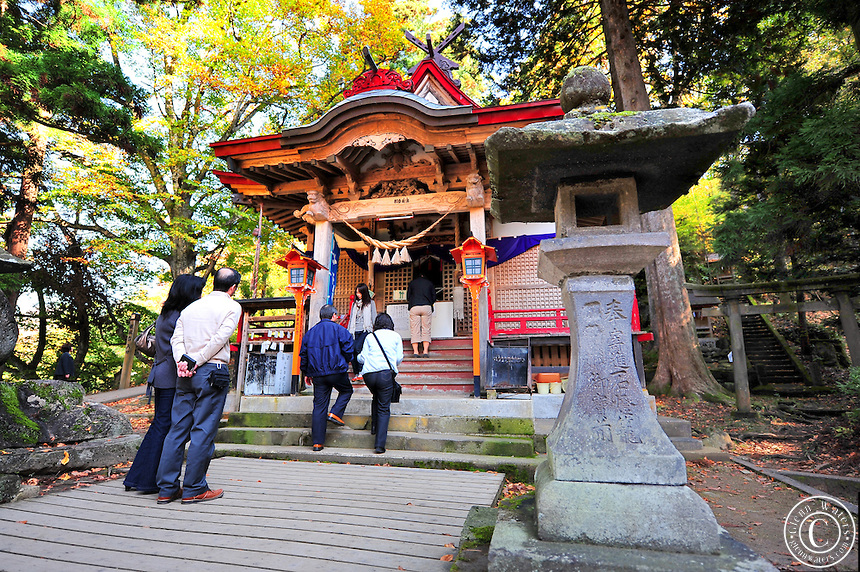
(349, 438)
(767, 356)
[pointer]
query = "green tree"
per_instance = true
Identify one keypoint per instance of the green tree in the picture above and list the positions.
(55, 78)
(213, 72)
(793, 207)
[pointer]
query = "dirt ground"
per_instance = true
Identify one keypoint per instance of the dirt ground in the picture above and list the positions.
(753, 508)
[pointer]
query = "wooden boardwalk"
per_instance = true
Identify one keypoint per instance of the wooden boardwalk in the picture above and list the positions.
(275, 515)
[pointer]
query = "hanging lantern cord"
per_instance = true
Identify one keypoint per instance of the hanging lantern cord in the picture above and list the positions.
(397, 243)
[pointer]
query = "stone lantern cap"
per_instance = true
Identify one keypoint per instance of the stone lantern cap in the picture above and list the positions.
(10, 264)
(666, 151)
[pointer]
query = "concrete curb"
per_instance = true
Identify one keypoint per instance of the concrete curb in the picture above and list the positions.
(790, 482)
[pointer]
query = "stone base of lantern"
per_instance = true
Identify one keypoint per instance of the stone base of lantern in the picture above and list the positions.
(516, 547)
(658, 517)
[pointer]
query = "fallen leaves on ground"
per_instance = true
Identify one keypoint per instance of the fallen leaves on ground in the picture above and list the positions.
(782, 437)
(516, 489)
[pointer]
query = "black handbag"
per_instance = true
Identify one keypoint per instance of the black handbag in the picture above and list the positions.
(145, 341)
(398, 390)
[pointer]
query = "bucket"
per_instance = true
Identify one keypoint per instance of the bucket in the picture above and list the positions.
(542, 387)
(555, 387)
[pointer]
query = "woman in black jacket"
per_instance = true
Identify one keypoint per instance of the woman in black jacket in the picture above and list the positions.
(184, 290)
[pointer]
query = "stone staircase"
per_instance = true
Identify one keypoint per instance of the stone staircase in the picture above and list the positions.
(449, 367)
(427, 429)
(471, 436)
(773, 367)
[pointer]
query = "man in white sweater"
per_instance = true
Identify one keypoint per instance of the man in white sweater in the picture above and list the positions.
(201, 348)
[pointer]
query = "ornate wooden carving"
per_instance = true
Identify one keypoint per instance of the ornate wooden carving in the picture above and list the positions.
(351, 211)
(378, 79)
(317, 209)
(474, 190)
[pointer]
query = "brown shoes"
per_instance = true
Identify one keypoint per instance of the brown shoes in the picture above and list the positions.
(177, 494)
(332, 418)
(204, 496)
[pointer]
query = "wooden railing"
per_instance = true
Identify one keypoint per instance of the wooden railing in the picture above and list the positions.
(555, 316)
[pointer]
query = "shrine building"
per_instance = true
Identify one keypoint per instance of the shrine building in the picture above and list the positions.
(389, 181)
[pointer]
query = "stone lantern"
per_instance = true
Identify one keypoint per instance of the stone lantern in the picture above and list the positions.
(612, 479)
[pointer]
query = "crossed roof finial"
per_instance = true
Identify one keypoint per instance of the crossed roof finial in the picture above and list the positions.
(444, 63)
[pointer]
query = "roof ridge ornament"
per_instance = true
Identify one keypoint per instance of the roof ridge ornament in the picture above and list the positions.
(376, 78)
(434, 54)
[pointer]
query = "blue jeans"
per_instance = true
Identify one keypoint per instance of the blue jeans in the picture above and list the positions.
(381, 385)
(358, 344)
(141, 475)
(196, 413)
(323, 385)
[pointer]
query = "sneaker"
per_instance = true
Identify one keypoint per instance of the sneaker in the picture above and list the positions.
(204, 496)
(357, 379)
(336, 420)
(177, 494)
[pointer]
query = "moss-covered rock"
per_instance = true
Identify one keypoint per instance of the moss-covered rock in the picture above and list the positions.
(47, 411)
(16, 429)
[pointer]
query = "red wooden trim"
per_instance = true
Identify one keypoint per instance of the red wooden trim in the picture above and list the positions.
(536, 110)
(557, 315)
(249, 145)
(429, 67)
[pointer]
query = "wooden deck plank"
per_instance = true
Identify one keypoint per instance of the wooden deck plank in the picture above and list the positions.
(259, 517)
(235, 503)
(255, 538)
(198, 550)
(267, 525)
(41, 564)
(275, 515)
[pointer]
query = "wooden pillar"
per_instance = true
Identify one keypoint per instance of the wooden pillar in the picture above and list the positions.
(739, 357)
(128, 359)
(242, 366)
(323, 234)
(478, 227)
(849, 326)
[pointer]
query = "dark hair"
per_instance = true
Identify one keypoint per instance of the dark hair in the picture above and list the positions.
(66, 347)
(364, 291)
(327, 311)
(383, 322)
(184, 290)
(225, 278)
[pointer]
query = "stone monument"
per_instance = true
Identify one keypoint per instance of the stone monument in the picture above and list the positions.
(612, 482)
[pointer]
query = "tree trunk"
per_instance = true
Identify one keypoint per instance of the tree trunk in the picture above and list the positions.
(680, 365)
(18, 230)
(624, 69)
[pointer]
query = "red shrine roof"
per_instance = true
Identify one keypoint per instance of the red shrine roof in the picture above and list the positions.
(378, 91)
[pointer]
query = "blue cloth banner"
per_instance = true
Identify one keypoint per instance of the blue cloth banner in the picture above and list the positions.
(510, 246)
(332, 280)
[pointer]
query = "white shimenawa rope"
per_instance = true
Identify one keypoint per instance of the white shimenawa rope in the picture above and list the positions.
(397, 243)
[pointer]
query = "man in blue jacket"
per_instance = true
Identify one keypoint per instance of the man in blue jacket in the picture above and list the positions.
(326, 351)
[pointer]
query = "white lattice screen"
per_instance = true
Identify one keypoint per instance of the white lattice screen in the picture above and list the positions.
(517, 286)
